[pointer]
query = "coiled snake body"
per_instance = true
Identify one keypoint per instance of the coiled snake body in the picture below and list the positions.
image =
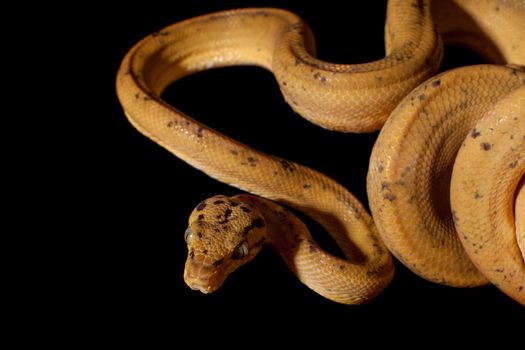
(452, 217)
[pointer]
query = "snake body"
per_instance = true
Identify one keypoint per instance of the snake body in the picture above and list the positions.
(411, 161)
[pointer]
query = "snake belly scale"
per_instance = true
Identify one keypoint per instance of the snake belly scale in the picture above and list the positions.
(224, 233)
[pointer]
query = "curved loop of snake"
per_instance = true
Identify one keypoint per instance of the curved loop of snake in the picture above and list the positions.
(412, 162)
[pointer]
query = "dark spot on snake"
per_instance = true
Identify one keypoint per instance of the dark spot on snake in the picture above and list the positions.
(217, 202)
(218, 262)
(371, 273)
(385, 186)
(137, 95)
(169, 124)
(234, 204)
(188, 122)
(234, 152)
(380, 169)
(389, 196)
(307, 186)
(312, 249)
(341, 267)
(136, 76)
(295, 103)
(514, 72)
(486, 146)
(226, 215)
(252, 161)
(246, 210)
(477, 195)
(436, 83)
(199, 234)
(191, 254)
(514, 164)
(256, 223)
(147, 98)
(205, 251)
(287, 165)
(379, 78)
(520, 288)
(422, 97)
(475, 133)
(216, 230)
(496, 8)
(499, 270)
(285, 83)
(201, 206)
(200, 217)
(463, 105)
(199, 132)
(297, 61)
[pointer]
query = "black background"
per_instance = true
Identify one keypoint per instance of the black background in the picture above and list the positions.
(142, 195)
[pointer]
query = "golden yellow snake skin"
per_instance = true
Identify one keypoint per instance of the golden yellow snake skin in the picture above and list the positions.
(412, 162)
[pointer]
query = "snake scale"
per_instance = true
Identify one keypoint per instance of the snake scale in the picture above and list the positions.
(446, 174)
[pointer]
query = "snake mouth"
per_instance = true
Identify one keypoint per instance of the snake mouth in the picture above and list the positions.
(201, 288)
(202, 285)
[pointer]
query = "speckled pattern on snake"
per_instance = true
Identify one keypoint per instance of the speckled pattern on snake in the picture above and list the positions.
(445, 179)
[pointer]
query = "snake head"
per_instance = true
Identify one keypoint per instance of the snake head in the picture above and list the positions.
(223, 234)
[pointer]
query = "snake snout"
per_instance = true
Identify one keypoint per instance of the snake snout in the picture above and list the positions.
(202, 278)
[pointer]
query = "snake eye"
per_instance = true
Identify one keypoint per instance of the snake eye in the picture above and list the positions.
(240, 251)
(187, 235)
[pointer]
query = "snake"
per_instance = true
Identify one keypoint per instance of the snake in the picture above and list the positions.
(445, 179)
